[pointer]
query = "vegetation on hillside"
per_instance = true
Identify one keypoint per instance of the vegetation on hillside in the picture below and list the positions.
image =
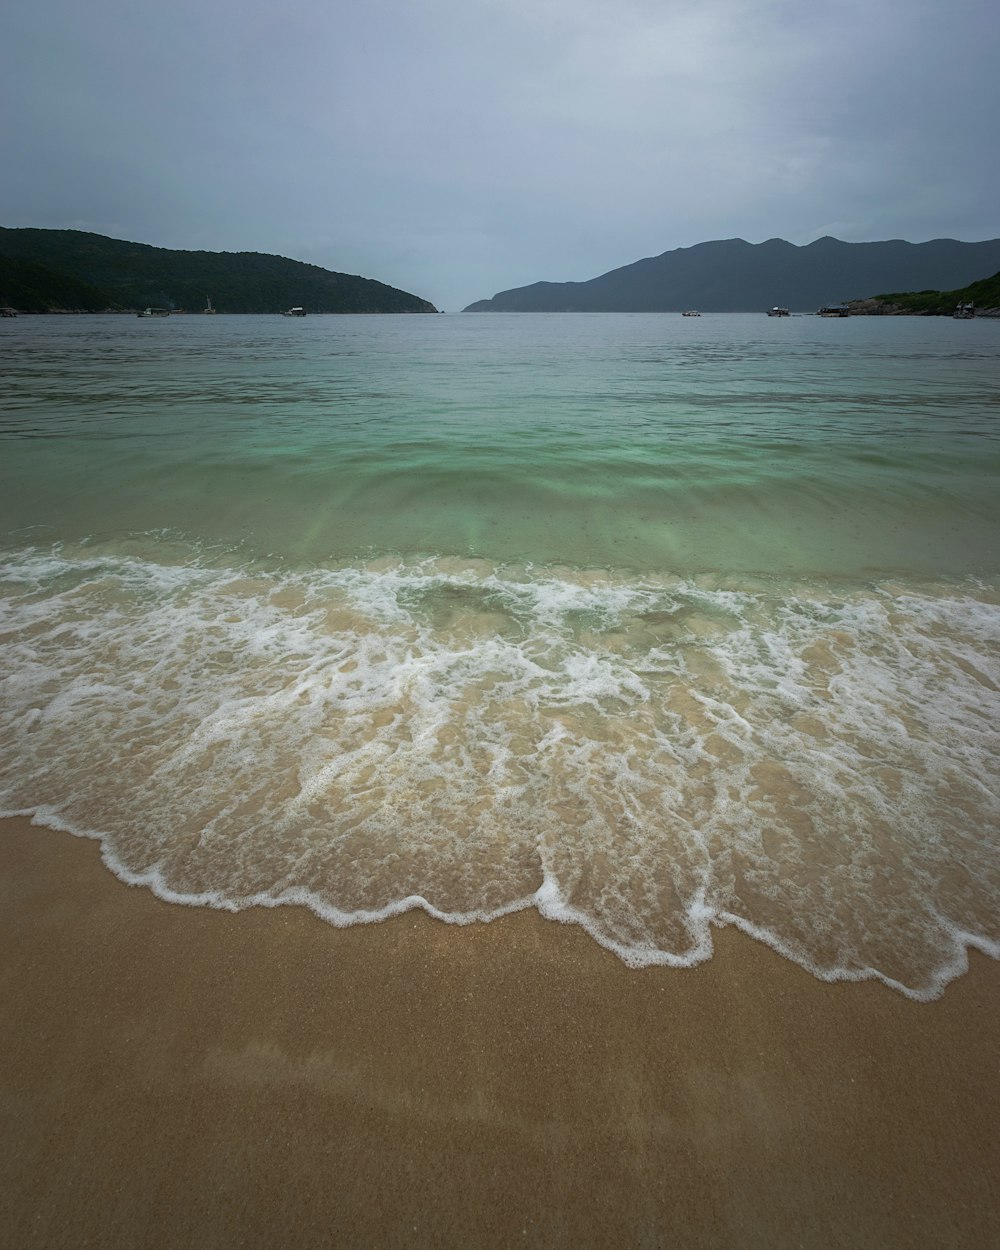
(33, 288)
(985, 295)
(54, 270)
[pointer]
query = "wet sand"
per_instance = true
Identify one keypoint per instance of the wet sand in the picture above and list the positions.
(176, 1077)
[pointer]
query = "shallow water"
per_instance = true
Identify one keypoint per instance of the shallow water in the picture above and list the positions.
(652, 623)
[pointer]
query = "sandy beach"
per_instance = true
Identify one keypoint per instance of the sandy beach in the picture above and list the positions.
(182, 1077)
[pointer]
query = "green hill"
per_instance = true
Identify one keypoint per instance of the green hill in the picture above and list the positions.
(70, 270)
(984, 294)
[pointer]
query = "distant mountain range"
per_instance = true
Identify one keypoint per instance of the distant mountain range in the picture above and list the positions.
(730, 275)
(72, 270)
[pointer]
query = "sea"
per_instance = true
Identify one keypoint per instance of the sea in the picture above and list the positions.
(653, 624)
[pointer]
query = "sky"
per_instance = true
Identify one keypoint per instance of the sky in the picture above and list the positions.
(456, 148)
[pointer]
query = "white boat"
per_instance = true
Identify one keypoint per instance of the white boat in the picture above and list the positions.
(154, 312)
(778, 312)
(964, 312)
(691, 312)
(834, 310)
(294, 312)
(208, 309)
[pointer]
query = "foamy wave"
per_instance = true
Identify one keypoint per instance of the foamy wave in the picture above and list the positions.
(814, 763)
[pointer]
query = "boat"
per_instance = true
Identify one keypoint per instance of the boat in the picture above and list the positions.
(778, 312)
(834, 310)
(154, 312)
(294, 312)
(691, 312)
(964, 312)
(208, 309)
(8, 312)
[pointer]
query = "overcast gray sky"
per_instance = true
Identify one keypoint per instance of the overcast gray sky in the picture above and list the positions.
(455, 148)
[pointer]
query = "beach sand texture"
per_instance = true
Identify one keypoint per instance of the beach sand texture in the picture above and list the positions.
(182, 1077)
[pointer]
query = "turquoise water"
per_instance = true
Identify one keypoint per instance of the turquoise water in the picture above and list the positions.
(653, 623)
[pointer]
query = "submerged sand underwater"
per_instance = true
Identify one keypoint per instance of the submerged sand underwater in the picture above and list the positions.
(815, 762)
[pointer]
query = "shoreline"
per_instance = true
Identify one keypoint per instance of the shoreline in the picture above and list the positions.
(181, 1076)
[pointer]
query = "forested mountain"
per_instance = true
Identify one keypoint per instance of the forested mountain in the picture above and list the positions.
(731, 275)
(33, 288)
(56, 270)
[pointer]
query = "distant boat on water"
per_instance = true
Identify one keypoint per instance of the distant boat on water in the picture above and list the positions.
(964, 312)
(294, 312)
(778, 312)
(834, 310)
(208, 309)
(691, 312)
(154, 312)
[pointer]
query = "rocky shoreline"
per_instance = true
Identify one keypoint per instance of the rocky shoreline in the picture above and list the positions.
(875, 307)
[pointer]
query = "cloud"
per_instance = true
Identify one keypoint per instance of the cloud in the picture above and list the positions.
(457, 149)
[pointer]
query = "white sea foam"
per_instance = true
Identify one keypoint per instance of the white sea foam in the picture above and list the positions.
(814, 763)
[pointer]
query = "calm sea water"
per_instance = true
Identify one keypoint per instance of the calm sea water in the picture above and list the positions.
(652, 623)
